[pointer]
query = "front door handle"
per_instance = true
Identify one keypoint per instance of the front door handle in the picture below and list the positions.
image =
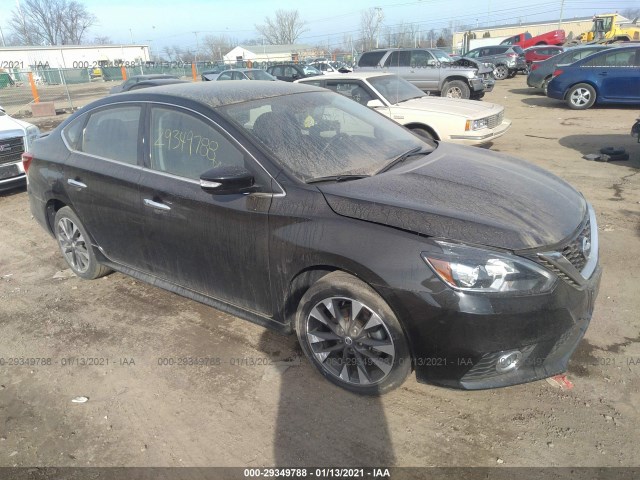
(76, 183)
(160, 206)
(603, 74)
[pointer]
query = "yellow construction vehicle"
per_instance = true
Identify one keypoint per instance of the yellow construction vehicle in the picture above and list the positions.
(610, 27)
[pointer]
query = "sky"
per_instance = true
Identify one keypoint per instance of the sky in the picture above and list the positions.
(166, 22)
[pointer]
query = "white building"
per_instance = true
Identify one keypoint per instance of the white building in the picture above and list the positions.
(269, 53)
(72, 56)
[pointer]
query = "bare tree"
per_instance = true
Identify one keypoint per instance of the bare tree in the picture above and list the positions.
(215, 47)
(50, 22)
(102, 40)
(284, 29)
(369, 24)
(631, 13)
(75, 21)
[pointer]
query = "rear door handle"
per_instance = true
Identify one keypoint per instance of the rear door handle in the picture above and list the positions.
(157, 205)
(603, 74)
(76, 183)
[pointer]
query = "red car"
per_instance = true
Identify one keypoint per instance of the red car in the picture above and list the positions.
(541, 52)
(525, 40)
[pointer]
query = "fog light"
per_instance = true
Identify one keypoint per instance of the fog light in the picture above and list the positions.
(508, 361)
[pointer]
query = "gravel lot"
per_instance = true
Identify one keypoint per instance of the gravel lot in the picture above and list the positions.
(264, 404)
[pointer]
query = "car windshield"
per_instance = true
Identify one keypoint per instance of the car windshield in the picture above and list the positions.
(395, 89)
(310, 70)
(322, 134)
(258, 75)
(441, 56)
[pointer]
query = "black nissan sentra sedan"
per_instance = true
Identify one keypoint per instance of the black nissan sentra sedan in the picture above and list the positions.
(301, 210)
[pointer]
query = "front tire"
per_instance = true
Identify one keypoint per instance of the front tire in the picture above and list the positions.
(456, 89)
(581, 96)
(352, 336)
(75, 245)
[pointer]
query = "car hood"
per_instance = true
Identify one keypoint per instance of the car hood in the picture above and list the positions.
(466, 194)
(10, 127)
(472, 63)
(451, 106)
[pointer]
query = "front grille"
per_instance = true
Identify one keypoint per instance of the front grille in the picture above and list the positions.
(494, 120)
(11, 150)
(580, 253)
(573, 252)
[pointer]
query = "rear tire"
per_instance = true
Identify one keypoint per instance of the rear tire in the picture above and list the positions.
(501, 72)
(75, 245)
(581, 96)
(352, 336)
(456, 89)
(545, 85)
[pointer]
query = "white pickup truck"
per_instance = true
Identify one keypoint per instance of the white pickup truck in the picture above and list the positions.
(15, 138)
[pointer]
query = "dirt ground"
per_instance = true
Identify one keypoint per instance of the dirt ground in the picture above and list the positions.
(262, 403)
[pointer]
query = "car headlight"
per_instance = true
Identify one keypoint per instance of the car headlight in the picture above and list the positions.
(476, 124)
(32, 133)
(479, 270)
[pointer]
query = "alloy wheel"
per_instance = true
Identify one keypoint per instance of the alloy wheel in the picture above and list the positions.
(501, 72)
(73, 245)
(454, 92)
(580, 97)
(350, 341)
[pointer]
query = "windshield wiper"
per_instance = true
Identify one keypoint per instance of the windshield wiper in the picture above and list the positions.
(336, 178)
(411, 153)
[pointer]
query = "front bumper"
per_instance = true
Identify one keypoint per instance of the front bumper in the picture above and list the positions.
(458, 339)
(476, 84)
(12, 176)
(482, 136)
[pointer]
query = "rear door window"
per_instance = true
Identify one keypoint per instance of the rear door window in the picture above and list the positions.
(371, 59)
(400, 58)
(625, 58)
(113, 133)
(352, 90)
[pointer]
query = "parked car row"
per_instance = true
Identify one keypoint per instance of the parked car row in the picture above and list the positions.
(587, 75)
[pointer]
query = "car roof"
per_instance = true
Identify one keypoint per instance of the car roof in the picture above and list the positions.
(213, 94)
(242, 70)
(161, 81)
(350, 75)
(151, 76)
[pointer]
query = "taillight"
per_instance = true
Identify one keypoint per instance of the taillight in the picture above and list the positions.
(26, 161)
(534, 66)
(558, 72)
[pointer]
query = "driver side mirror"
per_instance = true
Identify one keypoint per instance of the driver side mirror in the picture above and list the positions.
(295, 76)
(375, 103)
(227, 180)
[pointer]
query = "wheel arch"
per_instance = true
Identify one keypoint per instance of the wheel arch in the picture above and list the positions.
(51, 208)
(453, 78)
(305, 278)
(428, 128)
(586, 82)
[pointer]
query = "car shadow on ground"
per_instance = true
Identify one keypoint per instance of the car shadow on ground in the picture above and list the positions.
(526, 91)
(12, 192)
(319, 423)
(591, 144)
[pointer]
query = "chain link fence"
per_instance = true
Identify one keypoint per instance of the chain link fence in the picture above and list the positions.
(71, 88)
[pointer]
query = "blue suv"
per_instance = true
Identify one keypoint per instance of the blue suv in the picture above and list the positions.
(611, 76)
